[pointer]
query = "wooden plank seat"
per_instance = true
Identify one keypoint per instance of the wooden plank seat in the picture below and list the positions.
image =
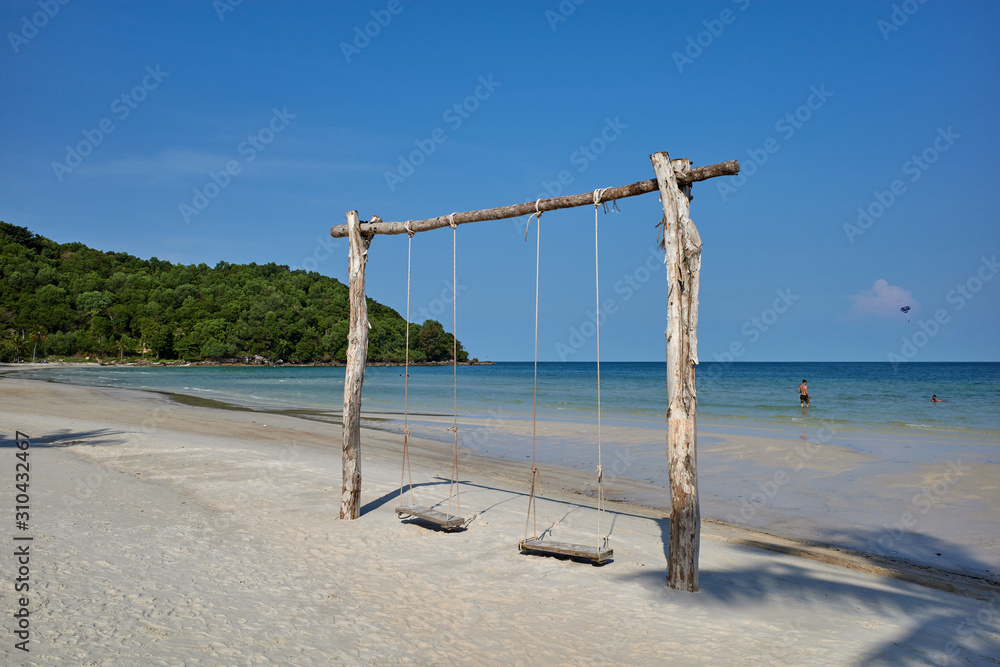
(444, 521)
(593, 554)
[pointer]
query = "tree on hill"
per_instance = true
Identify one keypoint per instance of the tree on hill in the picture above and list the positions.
(71, 300)
(437, 344)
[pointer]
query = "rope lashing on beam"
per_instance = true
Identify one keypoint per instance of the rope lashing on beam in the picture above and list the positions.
(537, 214)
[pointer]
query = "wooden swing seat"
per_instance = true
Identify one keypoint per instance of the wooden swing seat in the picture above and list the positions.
(444, 521)
(593, 554)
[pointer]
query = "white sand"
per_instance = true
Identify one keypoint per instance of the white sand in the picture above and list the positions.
(175, 535)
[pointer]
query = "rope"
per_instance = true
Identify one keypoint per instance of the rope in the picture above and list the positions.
(536, 479)
(536, 214)
(597, 326)
(454, 365)
(406, 374)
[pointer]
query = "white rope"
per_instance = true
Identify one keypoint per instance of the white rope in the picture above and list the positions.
(406, 372)
(597, 328)
(535, 476)
(536, 214)
(454, 365)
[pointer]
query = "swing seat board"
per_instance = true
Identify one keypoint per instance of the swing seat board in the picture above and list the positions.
(591, 553)
(446, 521)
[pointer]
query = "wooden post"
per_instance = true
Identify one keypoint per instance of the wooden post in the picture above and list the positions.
(354, 375)
(683, 259)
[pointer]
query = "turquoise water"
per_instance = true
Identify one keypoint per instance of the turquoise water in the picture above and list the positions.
(866, 396)
(873, 441)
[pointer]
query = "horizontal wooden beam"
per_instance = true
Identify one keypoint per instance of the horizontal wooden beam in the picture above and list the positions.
(377, 226)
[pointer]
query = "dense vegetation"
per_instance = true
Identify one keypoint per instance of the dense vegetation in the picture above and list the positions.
(68, 300)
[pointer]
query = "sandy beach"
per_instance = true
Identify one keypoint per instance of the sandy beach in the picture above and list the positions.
(170, 534)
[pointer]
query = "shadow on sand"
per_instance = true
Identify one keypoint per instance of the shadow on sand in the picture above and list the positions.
(66, 438)
(950, 629)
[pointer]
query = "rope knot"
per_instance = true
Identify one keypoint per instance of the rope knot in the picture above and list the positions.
(537, 214)
(598, 193)
(409, 230)
(451, 221)
(600, 473)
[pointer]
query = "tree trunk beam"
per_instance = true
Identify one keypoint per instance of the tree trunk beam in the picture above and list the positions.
(729, 168)
(354, 374)
(682, 246)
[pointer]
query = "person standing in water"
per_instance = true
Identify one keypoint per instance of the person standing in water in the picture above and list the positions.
(803, 395)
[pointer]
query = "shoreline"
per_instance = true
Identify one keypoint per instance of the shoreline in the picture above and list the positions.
(193, 532)
(832, 486)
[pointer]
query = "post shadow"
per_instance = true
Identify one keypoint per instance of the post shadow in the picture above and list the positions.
(67, 438)
(954, 626)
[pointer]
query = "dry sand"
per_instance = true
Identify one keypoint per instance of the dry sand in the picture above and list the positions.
(167, 534)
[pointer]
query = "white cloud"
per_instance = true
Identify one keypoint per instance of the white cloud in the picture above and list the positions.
(882, 300)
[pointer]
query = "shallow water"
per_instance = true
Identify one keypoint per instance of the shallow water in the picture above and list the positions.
(867, 396)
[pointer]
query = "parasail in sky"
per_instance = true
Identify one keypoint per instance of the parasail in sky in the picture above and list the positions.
(906, 309)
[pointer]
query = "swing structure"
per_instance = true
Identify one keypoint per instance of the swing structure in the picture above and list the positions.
(682, 246)
(598, 554)
(444, 520)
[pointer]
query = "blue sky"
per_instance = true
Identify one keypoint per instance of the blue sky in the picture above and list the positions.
(240, 132)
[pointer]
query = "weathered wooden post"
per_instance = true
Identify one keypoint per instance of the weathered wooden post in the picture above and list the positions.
(683, 259)
(354, 375)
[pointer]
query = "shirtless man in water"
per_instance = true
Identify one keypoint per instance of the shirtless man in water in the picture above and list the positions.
(803, 395)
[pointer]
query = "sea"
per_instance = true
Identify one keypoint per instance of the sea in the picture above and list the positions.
(867, 396)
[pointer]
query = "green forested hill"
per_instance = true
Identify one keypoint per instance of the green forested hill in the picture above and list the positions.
(69, 300)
